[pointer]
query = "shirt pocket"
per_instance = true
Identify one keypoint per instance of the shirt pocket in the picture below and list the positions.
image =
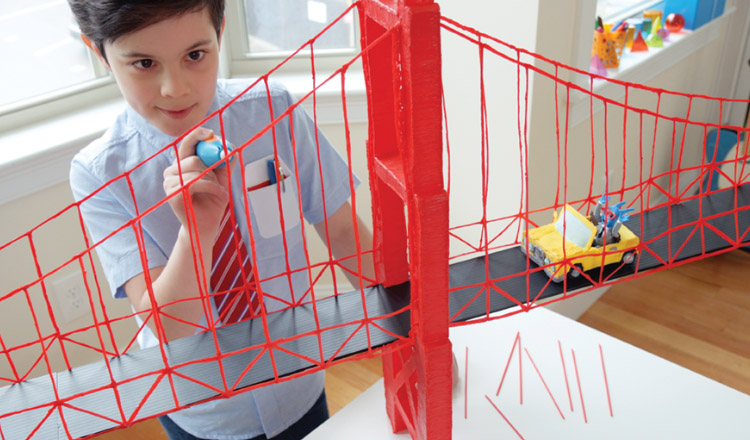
(265, 191)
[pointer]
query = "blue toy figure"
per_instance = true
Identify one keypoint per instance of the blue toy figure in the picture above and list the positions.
(212, 150)
(608, 221)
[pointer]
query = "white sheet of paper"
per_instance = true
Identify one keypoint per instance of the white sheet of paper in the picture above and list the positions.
(650, 397)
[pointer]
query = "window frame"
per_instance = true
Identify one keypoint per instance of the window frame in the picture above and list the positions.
(241, 63)
(40, 108)
(50, 105)
(630, 11)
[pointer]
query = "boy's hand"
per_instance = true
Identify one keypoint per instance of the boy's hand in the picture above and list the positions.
(208, 196)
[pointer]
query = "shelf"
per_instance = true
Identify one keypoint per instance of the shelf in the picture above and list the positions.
(642, 67)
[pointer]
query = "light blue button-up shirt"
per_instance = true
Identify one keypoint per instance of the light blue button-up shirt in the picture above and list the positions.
(123, 164)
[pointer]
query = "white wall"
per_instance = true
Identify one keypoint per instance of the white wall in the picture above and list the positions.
(513, 22)
(55, 243)
(524, 25)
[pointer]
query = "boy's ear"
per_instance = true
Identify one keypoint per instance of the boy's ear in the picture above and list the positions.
(223, 22)
(96, 50)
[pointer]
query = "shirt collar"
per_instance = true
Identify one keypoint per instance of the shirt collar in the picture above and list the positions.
(156, 136)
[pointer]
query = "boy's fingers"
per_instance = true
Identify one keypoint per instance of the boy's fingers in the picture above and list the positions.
(187, 146)
(221, 175)
(192, 168)
(210, 186)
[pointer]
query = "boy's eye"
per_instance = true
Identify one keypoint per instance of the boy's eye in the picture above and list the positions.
(144, 64)
(196, 55)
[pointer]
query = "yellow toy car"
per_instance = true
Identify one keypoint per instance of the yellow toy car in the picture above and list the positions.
(586, 239)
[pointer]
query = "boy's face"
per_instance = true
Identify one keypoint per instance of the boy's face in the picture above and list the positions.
(167, 71)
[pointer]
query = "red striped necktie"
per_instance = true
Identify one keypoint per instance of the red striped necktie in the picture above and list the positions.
(235, 299)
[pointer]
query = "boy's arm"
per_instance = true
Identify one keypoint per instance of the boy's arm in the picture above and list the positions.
(176, 281)
(171, 283)
(343, 243)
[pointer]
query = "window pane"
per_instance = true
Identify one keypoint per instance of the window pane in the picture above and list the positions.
(41, 52)
(608, 10)
(284, 25)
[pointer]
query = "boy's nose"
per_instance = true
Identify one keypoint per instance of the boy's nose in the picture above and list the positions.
(174, 84)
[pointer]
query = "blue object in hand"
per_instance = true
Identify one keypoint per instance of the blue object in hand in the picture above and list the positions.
(212, 150)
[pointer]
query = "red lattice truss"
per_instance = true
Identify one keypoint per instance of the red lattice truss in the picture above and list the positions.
(421, 166)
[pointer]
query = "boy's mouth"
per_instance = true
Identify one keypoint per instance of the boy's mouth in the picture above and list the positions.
(177, 114)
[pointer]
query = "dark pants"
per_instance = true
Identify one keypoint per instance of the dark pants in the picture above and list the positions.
(311, 420)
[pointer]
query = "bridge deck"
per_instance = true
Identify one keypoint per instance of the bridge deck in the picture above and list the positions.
(694, 228)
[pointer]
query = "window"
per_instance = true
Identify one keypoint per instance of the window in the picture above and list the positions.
(642, 66)
(623, 20)
(618, 10)
(41, 38)
(52, 72)
(264, 33)
(282, 26)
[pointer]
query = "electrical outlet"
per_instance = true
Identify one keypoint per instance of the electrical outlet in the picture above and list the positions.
(71, 297)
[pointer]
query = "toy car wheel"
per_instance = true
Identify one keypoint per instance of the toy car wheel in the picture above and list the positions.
(576, 271)
(628, 257)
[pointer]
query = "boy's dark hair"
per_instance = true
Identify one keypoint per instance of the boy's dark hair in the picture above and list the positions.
(107, 20)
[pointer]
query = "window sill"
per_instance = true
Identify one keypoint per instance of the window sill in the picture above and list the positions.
(38, 156)
(640, 68)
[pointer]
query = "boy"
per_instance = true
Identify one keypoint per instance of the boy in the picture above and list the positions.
(164, 57)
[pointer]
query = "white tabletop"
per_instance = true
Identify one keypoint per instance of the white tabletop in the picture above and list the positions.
(649, 397)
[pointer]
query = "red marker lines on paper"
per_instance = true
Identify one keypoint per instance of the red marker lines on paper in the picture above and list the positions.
(606, 382)
(578, 379)
(466, 384)
(520, 370)
(507, 364)
(544, 383)
(503, 415)
(565, 374)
